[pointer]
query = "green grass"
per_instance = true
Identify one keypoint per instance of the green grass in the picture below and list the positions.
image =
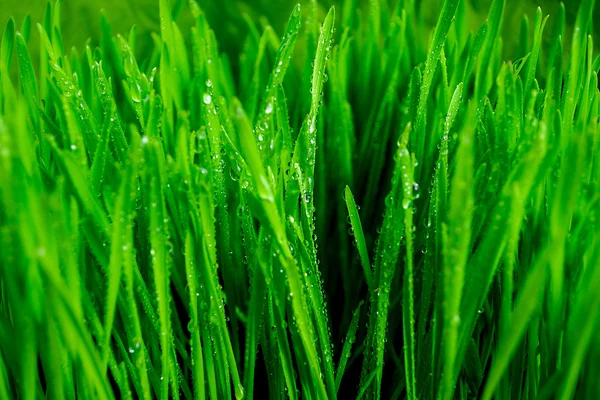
(355, 207)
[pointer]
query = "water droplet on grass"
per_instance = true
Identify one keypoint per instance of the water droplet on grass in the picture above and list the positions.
(405, 203)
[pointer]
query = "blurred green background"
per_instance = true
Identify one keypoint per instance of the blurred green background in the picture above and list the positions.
(81, 18)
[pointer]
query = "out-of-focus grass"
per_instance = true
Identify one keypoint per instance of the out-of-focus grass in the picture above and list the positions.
(80, 17)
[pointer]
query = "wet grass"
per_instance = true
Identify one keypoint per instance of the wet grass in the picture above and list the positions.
(356, 207)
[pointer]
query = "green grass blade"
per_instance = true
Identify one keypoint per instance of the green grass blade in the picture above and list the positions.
(347, 348)
(8, 43)
(439, 37)
(29, 83)
(456, 242)
(359, 237)
(525, 306)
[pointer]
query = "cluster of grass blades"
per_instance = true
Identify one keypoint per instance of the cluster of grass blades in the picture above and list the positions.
(186, 223)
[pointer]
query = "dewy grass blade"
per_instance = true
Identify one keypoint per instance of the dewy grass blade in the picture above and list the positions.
(318, 74)
(120, 248)
(316, 302)
(257, 297)
(98, 165)
(195, 343)
(282, 61)
(407, 164)
(359, 237)
(304, 167)
(385, 264)
(153, 185)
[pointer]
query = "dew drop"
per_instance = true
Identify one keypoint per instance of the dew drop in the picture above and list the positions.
(239, 392)
(405, 203)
